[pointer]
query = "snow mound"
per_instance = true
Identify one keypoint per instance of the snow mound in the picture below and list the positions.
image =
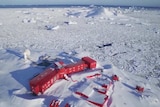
(94, 12)
(73, 14)
(103, 12)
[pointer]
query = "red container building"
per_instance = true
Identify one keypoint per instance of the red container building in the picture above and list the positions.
(90, 62)
(43, 81)
(75, 67)
(47, 78)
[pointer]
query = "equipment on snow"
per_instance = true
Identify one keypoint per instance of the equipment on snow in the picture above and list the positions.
(139, 88)
(115, 78)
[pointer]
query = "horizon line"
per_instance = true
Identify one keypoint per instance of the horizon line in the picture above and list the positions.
(70, 5)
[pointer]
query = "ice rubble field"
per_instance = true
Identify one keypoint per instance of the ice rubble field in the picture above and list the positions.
(74, 32)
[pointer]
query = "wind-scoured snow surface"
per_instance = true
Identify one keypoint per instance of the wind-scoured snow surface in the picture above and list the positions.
(123, 41)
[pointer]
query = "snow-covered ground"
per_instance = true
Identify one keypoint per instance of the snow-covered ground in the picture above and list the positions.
(123, 41)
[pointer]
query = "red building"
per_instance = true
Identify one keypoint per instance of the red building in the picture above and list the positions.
(47, 78)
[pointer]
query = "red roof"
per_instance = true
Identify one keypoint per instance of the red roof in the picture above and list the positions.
(75, 64)
(88, 59)
(42, 77)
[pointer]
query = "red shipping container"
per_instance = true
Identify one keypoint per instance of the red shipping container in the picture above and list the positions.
(60, 73)
(75, 67)
(90, 62)
(43, 81)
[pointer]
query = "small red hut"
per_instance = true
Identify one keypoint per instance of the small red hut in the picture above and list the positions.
(115, 78)
(139, 88)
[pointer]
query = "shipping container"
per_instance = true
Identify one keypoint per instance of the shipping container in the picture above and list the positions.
(60, 73)
(75, 67)
(43, 81)
(90, 62)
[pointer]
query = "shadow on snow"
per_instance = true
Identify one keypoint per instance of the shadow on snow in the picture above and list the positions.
(23, 76)
(128, 86)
